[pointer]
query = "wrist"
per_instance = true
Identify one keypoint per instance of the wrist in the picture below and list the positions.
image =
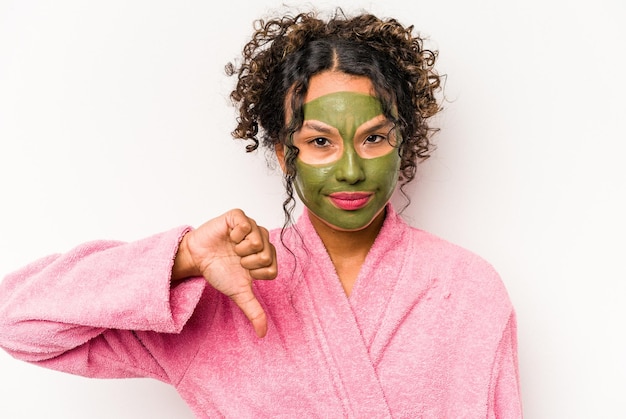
(183, 266)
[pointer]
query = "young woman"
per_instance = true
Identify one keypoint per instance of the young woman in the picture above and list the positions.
(365, 315)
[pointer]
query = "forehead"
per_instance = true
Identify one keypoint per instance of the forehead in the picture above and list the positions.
(343, 110)
(331, 82)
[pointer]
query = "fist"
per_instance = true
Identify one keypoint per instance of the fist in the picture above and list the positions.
(230, 251)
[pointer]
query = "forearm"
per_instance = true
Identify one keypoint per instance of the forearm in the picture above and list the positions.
(61, 302)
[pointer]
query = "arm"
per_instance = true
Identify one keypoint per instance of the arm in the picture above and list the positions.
(60, 303)
(64, 311)
(506, 402)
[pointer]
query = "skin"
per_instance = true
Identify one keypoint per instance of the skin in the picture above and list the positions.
(347, 235)
(341, 130)
(231, 250)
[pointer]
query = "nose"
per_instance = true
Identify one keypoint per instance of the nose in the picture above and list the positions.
(349, 168)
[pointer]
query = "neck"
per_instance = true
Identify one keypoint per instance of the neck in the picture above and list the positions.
(341, 242)
(347, 249)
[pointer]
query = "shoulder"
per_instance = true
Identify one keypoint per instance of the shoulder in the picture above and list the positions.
(444, 254)
(459, 271)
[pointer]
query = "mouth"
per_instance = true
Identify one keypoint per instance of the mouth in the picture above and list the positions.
(350, 201)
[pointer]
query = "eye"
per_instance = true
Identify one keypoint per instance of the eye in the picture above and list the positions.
(320, 142)
(374, 139)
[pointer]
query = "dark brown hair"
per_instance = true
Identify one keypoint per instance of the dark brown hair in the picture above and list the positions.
(285, 52)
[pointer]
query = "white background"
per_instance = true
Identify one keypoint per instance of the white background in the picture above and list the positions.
(114, 124)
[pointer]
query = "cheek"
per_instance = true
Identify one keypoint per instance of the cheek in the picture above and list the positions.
(310, 180)
(384, 170)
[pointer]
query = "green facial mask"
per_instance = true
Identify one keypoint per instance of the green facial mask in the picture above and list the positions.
(349, 192)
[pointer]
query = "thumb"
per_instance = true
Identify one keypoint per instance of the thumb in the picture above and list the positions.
(251, 307)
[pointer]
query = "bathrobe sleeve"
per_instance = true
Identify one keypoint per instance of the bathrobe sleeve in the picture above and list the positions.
(505, 388)
(86, 311)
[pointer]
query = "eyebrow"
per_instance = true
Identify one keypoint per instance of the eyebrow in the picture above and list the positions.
(382, 124)
(313, 125)
(318, 127)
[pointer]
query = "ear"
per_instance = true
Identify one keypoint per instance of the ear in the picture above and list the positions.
(279, 148)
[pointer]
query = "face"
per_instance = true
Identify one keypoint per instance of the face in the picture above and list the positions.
(347, 165)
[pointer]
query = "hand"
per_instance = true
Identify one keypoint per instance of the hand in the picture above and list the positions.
(230, 251)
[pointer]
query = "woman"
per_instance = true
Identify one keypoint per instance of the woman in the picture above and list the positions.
(365, 315)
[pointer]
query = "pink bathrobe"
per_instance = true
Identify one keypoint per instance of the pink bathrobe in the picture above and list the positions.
(427, 332)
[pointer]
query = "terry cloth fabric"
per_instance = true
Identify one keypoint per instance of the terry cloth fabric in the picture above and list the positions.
(427, 332)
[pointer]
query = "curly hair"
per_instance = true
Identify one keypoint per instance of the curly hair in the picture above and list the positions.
(284, 53)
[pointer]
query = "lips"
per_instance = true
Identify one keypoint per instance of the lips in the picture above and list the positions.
(350, 201)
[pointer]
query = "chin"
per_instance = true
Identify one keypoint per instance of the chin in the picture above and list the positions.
(348, 228)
